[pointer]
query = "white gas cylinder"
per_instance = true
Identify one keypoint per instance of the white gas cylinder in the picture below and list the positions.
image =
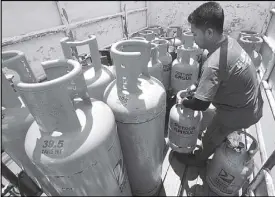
(73, 140)
(176, 32)
(97, 76)
(155, 67)
(249, 44)
(251, 34)
(137, 38)
(149, 35)
(185, 69)
(138, 101)
(158, 30)
(166, 61)
(183, 126)
(16, 119)
(231, 166)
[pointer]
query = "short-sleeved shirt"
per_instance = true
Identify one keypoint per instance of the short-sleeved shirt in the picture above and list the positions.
(230, 82)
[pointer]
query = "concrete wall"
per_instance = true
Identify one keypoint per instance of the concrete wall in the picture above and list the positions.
(239, 15)
(36, 27)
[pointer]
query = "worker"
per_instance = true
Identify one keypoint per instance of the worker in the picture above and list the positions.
(228, 81)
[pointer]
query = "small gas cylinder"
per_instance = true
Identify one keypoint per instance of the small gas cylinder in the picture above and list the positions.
(185, 69)
(166, 61)
(176, 32)
(231, 166)
(147, 34)
(73, 140)
(252, 34)
(97, 76)
(155, 67)
(183, 126)
(16, 119)
(249, 44)
(138, 102)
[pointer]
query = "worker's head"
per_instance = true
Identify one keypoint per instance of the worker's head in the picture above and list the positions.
(207, 23)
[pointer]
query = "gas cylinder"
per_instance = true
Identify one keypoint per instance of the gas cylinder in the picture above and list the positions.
(155, 66)
(73, 140)
(166, 61)
(176, 32)
(185, 69)
(97, 76)
(158, 30)
(147, 34)
(137, 38)
(252, 34)
(16, 119)
(183, 126)
(230, 167)
(249, 44)
(139, 103)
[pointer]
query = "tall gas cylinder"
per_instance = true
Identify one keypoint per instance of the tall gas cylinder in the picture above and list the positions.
(249, 44)
(149, 35)
(231, 166)
(158, 30)
(138, 101)
(97, 76)
(166, 61)
(176, 33)
(16, 118)
(137, 38)
(155, 67)
(252, 34)
(183, 126)
(185, 69)
(74, 139)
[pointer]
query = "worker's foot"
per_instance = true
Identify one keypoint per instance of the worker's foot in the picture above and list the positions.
(190, 159)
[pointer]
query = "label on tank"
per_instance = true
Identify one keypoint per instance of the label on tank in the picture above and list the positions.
(167, 67)
(107, 176)
(182, 135)
(223, 181)
(183, 76)
(53, 146)
(184, 130)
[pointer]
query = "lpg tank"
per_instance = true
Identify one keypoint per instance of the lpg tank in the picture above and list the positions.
(138, 102)
(231, 165)
(149, 35)
(155, 66)
(250, 44)
(16, 118)
(158, 30)
(176, 32)
(185, 69)
(252, 34)
(97, 76)
(183, 126)
(166, 61)
(73, 140)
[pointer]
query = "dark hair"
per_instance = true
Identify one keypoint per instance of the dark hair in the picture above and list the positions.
(208, 15)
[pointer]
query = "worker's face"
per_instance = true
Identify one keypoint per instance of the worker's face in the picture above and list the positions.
(202, 37)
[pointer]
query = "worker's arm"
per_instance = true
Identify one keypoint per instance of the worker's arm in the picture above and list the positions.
(207, 88)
